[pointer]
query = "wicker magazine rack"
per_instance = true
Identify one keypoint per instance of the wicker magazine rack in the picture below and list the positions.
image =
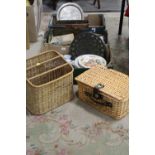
(49, 82)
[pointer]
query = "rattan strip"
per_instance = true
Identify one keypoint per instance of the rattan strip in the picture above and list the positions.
(45, 67)
(56, 68)
(40, 58)
(38, 64)
(52, 81)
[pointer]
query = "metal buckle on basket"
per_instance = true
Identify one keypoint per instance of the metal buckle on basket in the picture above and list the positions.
(96, 97)
(99, 86)
(96, 94)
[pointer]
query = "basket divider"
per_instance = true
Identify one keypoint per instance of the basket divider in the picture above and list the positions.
(44, 62)
(65, 64)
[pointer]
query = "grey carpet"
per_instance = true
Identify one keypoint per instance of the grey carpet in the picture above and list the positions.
(87, 5)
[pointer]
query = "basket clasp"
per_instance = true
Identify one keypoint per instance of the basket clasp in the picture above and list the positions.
(96, 89)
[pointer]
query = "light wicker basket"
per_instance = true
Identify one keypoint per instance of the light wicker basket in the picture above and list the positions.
(106, 90)
(49, 82)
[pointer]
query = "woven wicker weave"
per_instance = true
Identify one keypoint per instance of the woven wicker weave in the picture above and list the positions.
(49, 82)
(106, 90)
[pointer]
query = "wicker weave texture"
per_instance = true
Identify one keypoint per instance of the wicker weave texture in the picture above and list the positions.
(114, 91)
(41, 58)
(49, 82)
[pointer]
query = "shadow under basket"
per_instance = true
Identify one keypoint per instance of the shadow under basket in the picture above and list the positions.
(49, 82)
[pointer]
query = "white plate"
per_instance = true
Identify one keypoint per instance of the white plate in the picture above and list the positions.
(76, 63)
(90, 60)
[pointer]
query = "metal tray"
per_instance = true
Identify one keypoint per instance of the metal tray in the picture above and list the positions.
(70, 11)
(87, 43)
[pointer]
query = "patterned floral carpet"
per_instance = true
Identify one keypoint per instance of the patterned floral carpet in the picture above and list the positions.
(76, 129)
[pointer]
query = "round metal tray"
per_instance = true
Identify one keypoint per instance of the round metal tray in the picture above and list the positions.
(87, 43)
(70, 11)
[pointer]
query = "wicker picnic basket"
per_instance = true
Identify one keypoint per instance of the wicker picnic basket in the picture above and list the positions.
(49, 82)
(106, 90)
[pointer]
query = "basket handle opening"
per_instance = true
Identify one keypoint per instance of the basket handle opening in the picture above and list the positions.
(98, 99)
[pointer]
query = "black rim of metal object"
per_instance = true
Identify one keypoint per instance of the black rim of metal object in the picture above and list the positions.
(87, 43)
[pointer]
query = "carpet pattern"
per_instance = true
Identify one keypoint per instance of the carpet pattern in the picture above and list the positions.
(87, 5)
(75, 128)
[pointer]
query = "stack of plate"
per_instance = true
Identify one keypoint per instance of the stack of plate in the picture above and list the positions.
(89, 60)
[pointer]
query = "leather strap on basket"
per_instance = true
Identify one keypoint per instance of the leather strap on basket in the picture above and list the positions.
(97, 97)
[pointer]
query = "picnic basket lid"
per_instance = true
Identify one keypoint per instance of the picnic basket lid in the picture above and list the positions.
(115, 84)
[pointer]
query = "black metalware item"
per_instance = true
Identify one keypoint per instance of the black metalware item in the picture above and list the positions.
(87, 43)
